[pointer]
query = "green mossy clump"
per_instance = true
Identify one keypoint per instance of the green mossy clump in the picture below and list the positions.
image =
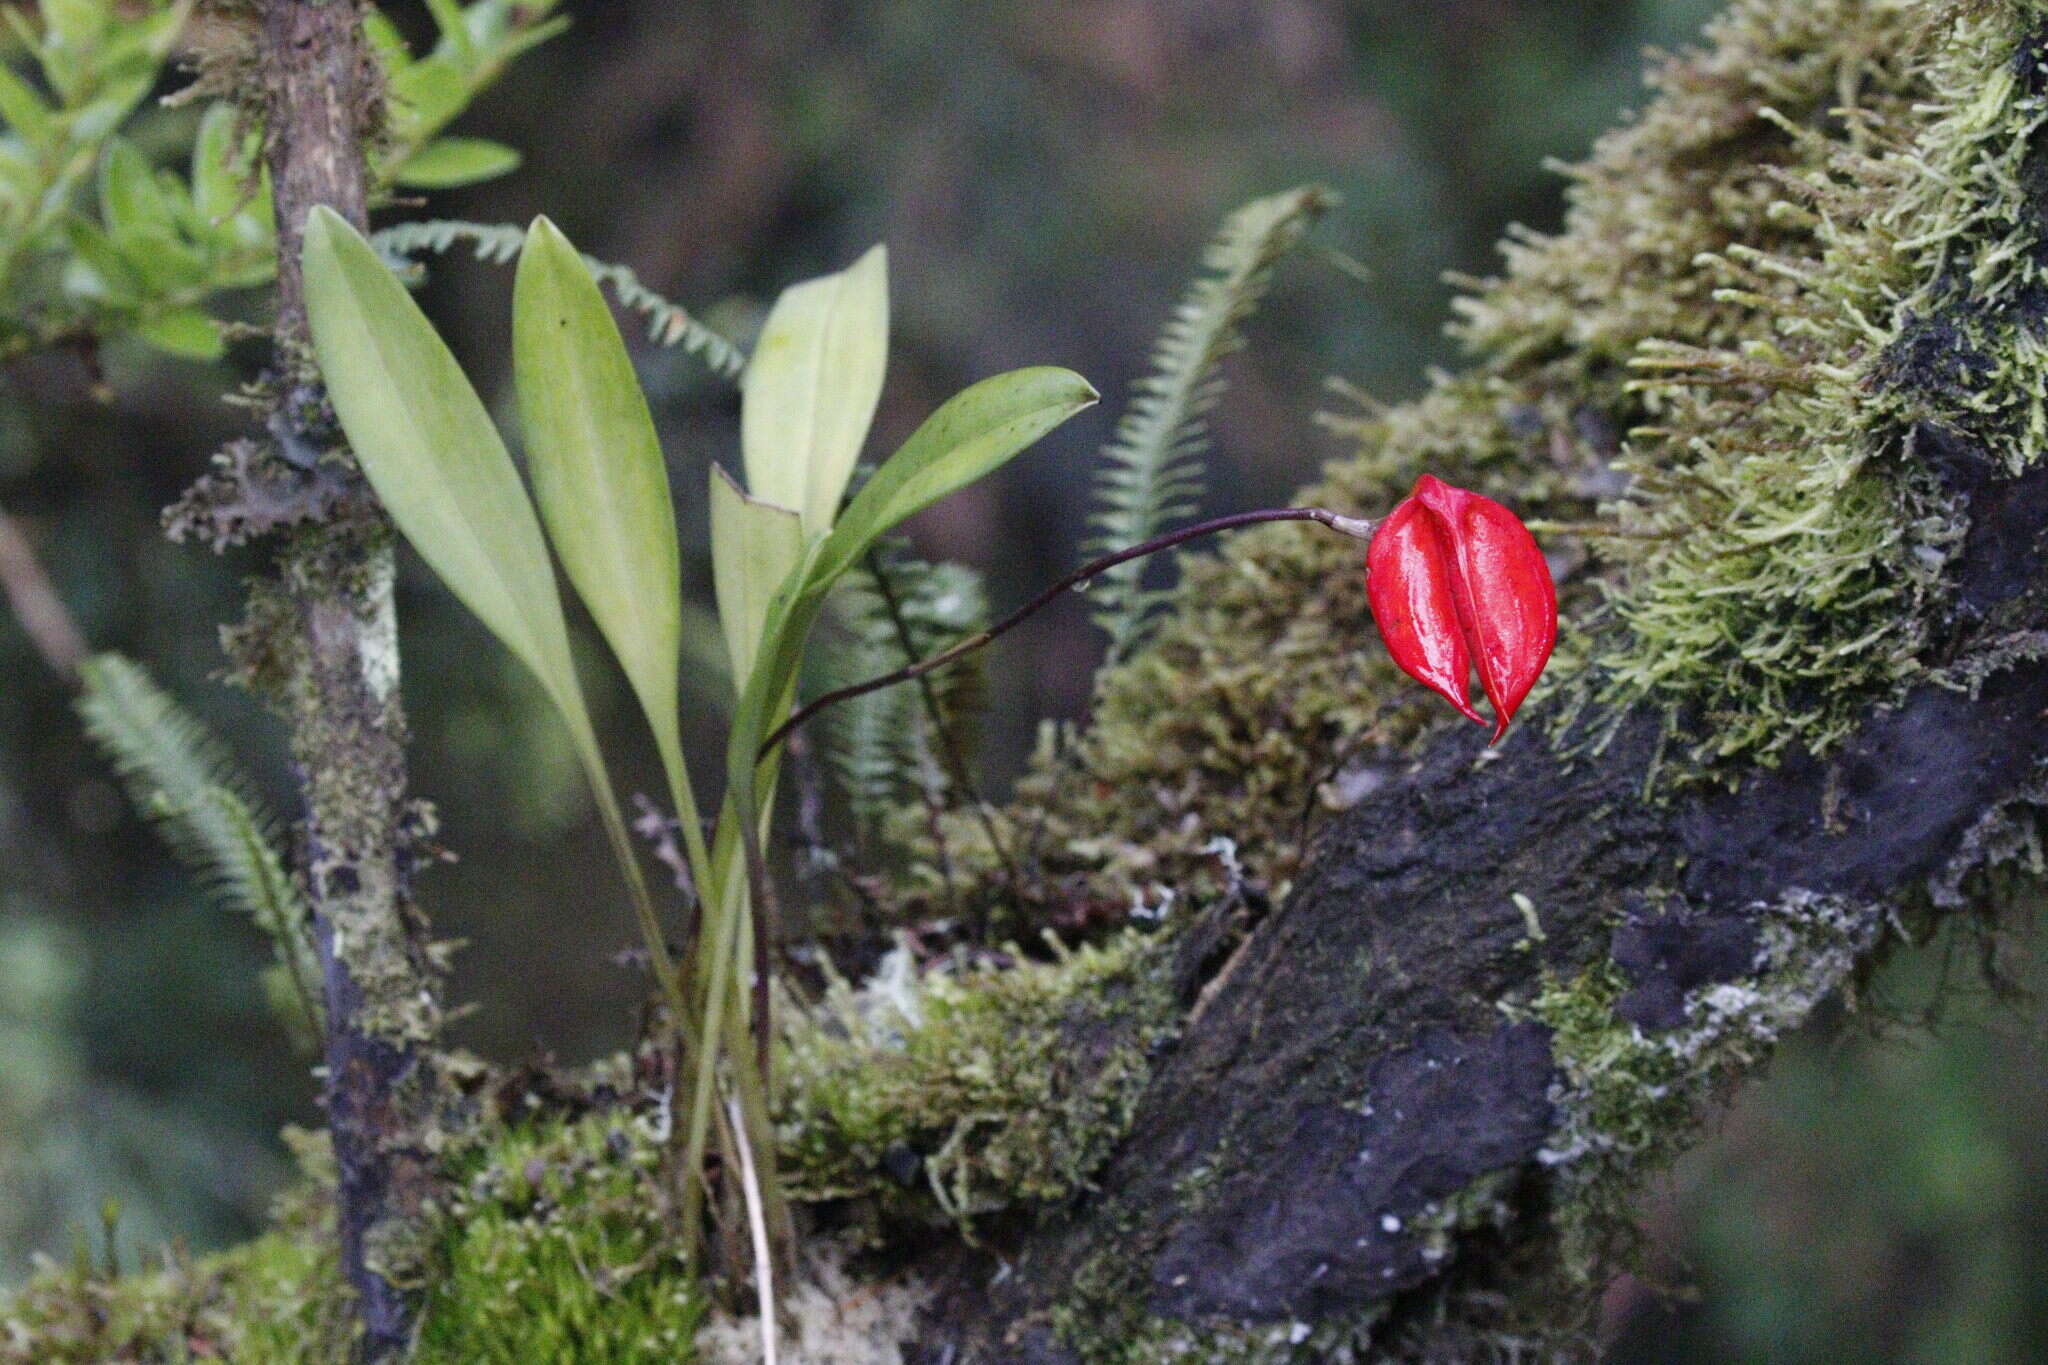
(556, 1240)
(1696, 391)
(1788, 529)
(558, 1243)
(278, 1299)
(952, 1095)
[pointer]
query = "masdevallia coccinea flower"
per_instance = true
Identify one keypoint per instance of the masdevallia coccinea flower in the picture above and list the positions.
(1456, 583)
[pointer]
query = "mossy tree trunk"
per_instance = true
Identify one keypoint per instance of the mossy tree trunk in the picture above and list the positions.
(1412, 1111)
(321, 642)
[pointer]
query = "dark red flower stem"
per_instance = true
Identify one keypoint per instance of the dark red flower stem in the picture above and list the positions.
(1355, 527)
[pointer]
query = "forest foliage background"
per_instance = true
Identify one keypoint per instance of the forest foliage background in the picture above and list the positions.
(1045, 177)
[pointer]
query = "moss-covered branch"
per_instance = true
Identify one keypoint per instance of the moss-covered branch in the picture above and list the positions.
(322, 643)
(1786, 353)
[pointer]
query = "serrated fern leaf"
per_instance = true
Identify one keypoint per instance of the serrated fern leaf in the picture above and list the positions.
(887, 745)
(1152, 470)
(668, 323)
(184, 781)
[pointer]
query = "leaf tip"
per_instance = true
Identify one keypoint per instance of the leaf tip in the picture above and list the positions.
(320, 225)
(543, 229)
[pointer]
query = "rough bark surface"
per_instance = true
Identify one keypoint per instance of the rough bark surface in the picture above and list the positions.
(332, 627)
(1354, 1068)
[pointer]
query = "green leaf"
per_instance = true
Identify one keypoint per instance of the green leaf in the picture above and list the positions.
(448, 162)
(132, 203)
(183, 779)
(24, 112)
(425, 95)
(976, 432)
(219, 168)
(76, 24)
(454, 28)
(186, 332)
(97, 270)
(754, 545)
(599, 477)
(812, 387)
(385, 40)
(1152, 470)
(428, 448)
(216, 187)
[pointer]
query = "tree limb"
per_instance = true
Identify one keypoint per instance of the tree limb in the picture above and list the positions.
(1302, 1156)
(322, 640)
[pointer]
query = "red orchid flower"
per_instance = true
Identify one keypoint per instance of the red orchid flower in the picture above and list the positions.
(1455, 580)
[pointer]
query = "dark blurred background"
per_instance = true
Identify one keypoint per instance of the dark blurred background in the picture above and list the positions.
(1045, 176)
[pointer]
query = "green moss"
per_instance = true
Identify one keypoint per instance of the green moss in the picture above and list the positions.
(1787, 530)
(557, 1245)
(278, 1299)
(1680, 390)
(555, 1240)
(958, 1094)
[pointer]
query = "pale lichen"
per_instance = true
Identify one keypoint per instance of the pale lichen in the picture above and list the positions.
(831, 1317)
(1628, 1100)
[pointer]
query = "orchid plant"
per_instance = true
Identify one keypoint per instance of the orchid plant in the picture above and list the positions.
(1455, 580)
(599, 482)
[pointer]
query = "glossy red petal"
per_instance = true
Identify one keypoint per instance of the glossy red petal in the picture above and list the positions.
(1500, 581)
(1408, 582)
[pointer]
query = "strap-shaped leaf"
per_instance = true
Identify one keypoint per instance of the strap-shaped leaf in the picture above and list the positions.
(754, 545)
(976, 432)
(599, 478)
(812, 387)
(429, 449)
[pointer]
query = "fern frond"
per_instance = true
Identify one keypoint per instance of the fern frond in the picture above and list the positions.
(184, 780)
(668, 323)
(885, 745)
(1152, 468)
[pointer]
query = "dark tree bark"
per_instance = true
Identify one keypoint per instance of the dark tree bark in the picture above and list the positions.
(1353, 1071)
(325, 634)
(1406, 1118)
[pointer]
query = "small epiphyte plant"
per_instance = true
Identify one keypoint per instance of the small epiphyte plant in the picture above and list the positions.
(1457, 582)
(779, 546)
(97, 242)
(1455, 578)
